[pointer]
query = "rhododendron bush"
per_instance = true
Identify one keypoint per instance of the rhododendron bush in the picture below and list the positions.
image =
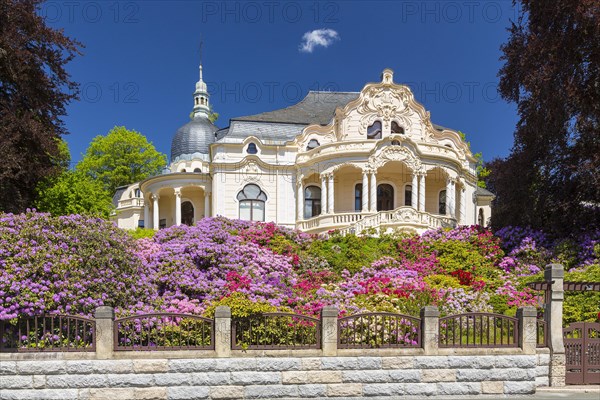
(74, 264)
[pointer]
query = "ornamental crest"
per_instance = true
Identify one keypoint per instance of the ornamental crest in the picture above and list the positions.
(386, 102)
(396, 153)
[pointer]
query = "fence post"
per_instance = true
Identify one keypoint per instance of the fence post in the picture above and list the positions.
(430, 329)
(223, 331)
(105, 340)
(553, 314)
(527, 329)
(329, 330)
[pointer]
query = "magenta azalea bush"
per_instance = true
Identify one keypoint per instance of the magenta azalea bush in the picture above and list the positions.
(70, 265)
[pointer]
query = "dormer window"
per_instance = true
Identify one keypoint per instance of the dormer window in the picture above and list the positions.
(397, 128)
(395, 143)
(374, 131)
(197, 170)
(251, 149)
(312, 144)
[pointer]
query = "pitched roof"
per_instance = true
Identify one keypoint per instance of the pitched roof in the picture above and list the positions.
(315, 108)
(483, 192)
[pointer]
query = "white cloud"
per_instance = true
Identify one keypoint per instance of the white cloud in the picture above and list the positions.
(318, 37)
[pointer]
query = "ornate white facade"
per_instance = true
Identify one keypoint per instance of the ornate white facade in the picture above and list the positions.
(347, 161)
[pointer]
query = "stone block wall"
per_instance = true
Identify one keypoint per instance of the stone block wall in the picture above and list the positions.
(273, 378)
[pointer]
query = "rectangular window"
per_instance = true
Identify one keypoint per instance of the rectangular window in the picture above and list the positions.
(408, 195)
(358, 197)
(141, 223)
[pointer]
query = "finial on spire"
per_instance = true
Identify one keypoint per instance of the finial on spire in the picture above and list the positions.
(200, 50)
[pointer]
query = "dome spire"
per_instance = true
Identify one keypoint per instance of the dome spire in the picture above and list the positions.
(201, 107)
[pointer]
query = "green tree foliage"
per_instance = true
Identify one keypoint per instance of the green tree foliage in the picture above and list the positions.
(121, 157)
(551, 72)
(34, 90)
(73, 192)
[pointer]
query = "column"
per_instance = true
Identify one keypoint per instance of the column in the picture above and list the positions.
(104, 316)
(421, 192)
(448, 191)
(463, 205)
(156, 215)
(415, 191)
(365, 191)
(223, 331)
(330, 197)
(177, 192)
(554, 274)
(430, 316)
(299, 200)
(146, 214)
(373, 192)
(206, 204)
(453, 199)
(324, 198)
(329, 332)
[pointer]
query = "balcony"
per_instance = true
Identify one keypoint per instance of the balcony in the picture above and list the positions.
(382, 221)
(133, 202)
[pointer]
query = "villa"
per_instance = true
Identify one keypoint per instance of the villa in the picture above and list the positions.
(336, 160)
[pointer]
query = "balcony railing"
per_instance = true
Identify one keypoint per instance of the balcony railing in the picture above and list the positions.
(356, 222)
(133, 202)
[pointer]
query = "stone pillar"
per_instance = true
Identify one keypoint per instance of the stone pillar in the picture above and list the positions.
(146, 215)
(430, 328)
(463, 206)
(415, 191)
(223, 331)
(155, 213)
(527, 329)
(207, 204)
(422, 192)
(329, 331)
(299, 201)
(324, 197)
(453, 199)
(365, 191)
(330, 195)
(554, 275)
(448, 196)
(105, 340)
(373, 192)
(177, 193)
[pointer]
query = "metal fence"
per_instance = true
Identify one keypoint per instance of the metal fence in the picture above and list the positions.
(378, 330)
(276, 331)
(48, 333)
(541, 333)
(478, 330)
(163, 331)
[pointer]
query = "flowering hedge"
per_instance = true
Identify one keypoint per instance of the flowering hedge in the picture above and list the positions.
(73, 264)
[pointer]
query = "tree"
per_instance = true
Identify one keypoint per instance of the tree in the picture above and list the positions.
(74, 192)
(34, 90)
(120, 158)
(552, 72)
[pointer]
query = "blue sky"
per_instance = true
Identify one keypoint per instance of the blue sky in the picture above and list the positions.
(140, 60)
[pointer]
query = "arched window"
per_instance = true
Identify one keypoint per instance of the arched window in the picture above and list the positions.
(312, 144)
(197, 170)
(187, 213)
(480, 218)
(442, 202)
(251, 149)
(408, 195)
(385, 197)
(196, 101)
(374, 131)
(312, 201)
(252, 203)
(183, 170)
(138, 193)
(395, 143)
(397, 128)
(358, 190)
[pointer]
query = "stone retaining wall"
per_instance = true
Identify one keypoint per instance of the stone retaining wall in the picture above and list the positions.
(271, 378)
